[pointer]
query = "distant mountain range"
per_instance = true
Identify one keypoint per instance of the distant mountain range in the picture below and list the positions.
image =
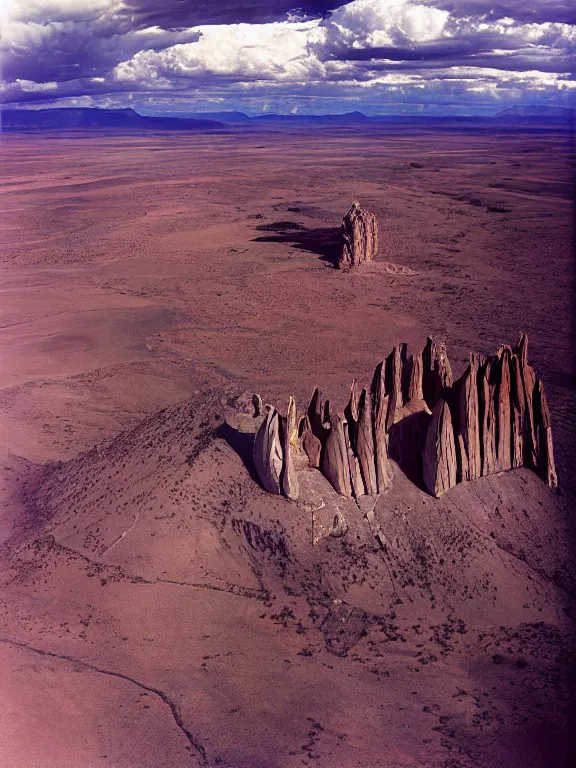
(522, 113)
(358, 118)
(76, 118)
(111, 120)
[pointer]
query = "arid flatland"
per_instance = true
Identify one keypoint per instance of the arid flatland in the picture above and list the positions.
(159, 609)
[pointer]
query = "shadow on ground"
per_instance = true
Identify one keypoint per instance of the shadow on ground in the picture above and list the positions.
(323, 241)
(243, 444)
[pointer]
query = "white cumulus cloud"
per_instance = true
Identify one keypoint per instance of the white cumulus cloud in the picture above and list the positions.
(443, 49)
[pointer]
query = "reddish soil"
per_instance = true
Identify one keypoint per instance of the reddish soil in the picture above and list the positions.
(158, 608)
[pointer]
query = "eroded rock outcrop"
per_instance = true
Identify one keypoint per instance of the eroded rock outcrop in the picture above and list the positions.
(335, 464)
(267, 453)
(495, 417)
(289, 433)
(359, 237)
(500, 416)
(439, 461)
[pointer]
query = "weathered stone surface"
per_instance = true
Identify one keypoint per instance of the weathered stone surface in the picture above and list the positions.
(327, 508)
(443, 368)
(428, 376)
(352, 407)
(313, 448)
(351, 414)
(528, 377)
(335, 465)
(494, 418)
(463, 463)
(379, 414)
(365, 444)
(289, 437)
(439, 460)
(415, 389)
(393, 386)
(518, 412)
(359, 237)
(488, 419)
(501, 370)
(437, 372)
(521, 349)
(291, 420)
(267, 452)
(258, 406)
(468, 421)
(328, 521)
(318, 418)
(354, 466)
(545, 451)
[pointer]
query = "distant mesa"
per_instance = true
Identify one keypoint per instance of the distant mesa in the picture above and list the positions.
(97, 118)
(345, 119)
(92, 118)
(441, 432)
(359, 238)
(531, 112)
(222, 117)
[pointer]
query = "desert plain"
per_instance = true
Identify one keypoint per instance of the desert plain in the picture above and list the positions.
(158, 608)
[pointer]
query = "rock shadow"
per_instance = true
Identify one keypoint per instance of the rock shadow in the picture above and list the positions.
(243, 444)
(326, 242)
(406, 444)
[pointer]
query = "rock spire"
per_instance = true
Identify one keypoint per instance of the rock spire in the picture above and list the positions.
(494, 418)
(359, 237)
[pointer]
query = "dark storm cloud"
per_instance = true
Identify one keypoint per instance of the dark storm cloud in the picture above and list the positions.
(190, 13)
(435, 51)
(457, 53)
(67, 51)
(457, 38)
(65, 41)
(536, 11)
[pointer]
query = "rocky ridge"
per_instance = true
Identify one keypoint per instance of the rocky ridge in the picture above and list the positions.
(440, 432)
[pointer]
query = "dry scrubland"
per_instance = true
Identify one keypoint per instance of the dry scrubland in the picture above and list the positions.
(158, 608)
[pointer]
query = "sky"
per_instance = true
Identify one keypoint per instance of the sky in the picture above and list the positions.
(289, 56)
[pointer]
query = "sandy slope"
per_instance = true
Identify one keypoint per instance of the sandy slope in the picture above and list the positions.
(157, 570)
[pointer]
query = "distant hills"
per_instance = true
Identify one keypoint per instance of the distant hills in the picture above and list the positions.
(76, 118)
(523, 113)
(113, 120)
(348, 118)
(223, 117)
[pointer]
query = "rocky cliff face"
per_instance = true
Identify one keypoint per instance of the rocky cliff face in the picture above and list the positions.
(441, 432)
(359, 237)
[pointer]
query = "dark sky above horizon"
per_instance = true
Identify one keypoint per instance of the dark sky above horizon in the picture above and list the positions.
(376, 56)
